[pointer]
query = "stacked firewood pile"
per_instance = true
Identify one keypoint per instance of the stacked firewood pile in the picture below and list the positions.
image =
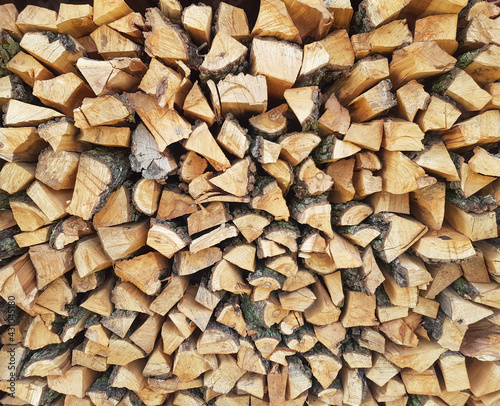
(198, 210)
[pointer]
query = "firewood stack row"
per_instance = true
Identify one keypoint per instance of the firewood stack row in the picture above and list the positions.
(198, 210)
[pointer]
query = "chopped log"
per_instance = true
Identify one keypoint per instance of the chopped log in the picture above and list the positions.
(282, 172)
(478, 32)
(27, 214)
(50, 264)
(385, 201)
(265, 151)
(58, 51)
(174, 203)
(56, 296)
(52, 360)
(29, 238)
(226, 276)
(165, 84)
(53, 203)
(147, 158)
(99, 301)
(321, 60)
(20, 114)
(104, 12)
(432, 60)
(350, 214)
(75, 19)
(112, 76)
(232, 21)
(23, 174)
(243, 95)
(196, 106)
(402, 135)
(174, 127)
(20, 144)
(57, 169)
(459, 136)
(304, 102)
(28, 68)
(268, 196)
(146, 196)
(187, 263)
(436, 160)
(353, 384)
(460, 309)
(476, 226)
(314, 211)
(236, 179)
(481, 376)
(122, 240)
(481, 65)
(295, 147)
(233, 138)
(311, 181)
(365, 74)
(12, 88)
(61, 135)
(226, 56)
(401, 235)
(383, 40)
(484, 163)
(373, 102)
(412, 98)
(297, 300)
(428, 205)
(171, 9)
(336, 118)
(332, 149)
(103, 110)
(281, 71)
(8, 21)
(131, 26)
(75, 90)
(460, 87)
(76, 381)
(223, 232)
(197, 21)
(112, 167)
(89, 256)
(449, 362)
(359, 310)
(443, 276)
(439, 28)
(192, 166)
(217, 339)
(38, 335)
(356, 134)
(167, 41)
(274, 20)
(151, 264)
(202, 142)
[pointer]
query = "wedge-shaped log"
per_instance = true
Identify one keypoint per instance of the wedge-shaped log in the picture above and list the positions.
(112, 76)
(455, 246)
(274, 20)
(432, 60)
(383, 40)
(58, 52)
(281, 70)
(167, 41)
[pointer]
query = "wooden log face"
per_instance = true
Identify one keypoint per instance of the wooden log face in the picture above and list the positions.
(303, 210)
